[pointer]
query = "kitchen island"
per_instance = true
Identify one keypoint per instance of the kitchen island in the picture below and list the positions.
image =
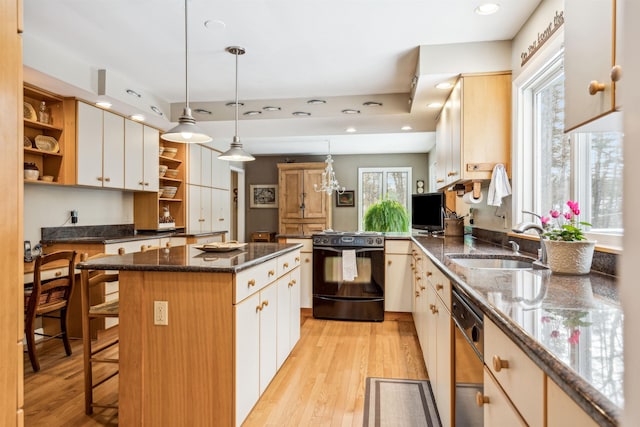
(202, 333)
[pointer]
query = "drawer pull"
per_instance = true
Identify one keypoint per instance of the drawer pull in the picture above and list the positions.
(58, 273)
(251, 283)
(258, 308)
(439, 180)
(297, 259)
(271, 273)
(422, 288)
(107, 179)
(499, 364)
(429, 273)
(417, 294)
(433, 308)
(291, 283)
(307, 260)
(439, 287)
(481, 399)
(285, 265)
(418, 278)
(264, 304)
(389, 262)
(595, 87)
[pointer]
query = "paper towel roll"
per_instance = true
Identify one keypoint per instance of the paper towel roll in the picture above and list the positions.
(468, 198)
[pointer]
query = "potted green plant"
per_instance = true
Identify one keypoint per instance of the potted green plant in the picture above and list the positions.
(386, 216)
(568, 250)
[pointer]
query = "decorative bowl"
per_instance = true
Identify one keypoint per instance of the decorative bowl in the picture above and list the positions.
(46, 178)
(161, 150)
(31, 174)
(162, 169)
(172, 173)
(170, 152)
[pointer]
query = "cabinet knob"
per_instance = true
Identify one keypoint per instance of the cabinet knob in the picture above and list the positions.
(429, 273)
(481, 399)
(285, 265)
(251, 283)
(258, 308)
(265, 303)
(58, 273)
(452, 173)
(433, 308)
(140, 183)
(220, 219)
(291, 283)
(146, 184)
(616, 73)
(200, 219)
(422, 288)
(439, 287)
(297, 259)
(595, 87)
(389, 262)
(271, 273)
(417, 294)
(418, 278)
(307, 260)
(107, 179)
(99, 178)
(499, 364)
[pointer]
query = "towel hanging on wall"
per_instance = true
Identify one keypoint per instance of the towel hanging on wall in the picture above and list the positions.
(499, 186)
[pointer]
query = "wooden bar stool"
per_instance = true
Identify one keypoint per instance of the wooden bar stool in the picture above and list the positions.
(47, 297)
(100, 350)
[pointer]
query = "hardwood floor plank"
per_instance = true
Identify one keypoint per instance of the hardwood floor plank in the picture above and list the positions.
(322, 383)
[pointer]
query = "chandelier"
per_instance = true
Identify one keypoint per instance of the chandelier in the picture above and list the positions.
(329, 182)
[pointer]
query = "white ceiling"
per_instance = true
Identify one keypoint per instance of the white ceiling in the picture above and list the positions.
(343, 51)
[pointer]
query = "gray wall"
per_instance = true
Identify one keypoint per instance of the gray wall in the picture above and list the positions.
(264, 170)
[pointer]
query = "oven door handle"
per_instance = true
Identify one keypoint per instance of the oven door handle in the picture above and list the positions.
(358, 251)
(349, 299)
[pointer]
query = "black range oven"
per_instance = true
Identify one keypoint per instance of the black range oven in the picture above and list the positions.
(348, 276)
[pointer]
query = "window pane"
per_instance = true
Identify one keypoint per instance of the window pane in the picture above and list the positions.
(371, 189)
(606, 180)
(397, 183)
(554, 187)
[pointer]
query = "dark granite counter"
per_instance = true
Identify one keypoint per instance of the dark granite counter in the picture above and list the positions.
(570, 326)
(189, 259)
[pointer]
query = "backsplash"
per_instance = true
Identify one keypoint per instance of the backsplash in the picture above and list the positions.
(111, 231)
(603, 262)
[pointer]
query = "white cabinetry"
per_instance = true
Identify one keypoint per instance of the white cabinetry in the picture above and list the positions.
(306, 271)
(267, 326)
(141, 157)
(563, 411)
(199, 209)
(591, 55)
(100, 147)
(398, 277)
(498, 409)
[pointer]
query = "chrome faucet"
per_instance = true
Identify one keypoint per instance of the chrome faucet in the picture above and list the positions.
(524, 226)
(515, 247)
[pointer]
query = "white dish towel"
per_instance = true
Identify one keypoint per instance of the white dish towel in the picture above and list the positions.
(349, 268)
(499, 186)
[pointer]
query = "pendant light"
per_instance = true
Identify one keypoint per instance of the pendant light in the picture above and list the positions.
(329, 182)
(236, 153)
(187, 131)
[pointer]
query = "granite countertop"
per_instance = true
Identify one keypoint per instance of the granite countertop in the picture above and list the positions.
(570, 326)
(189, 259)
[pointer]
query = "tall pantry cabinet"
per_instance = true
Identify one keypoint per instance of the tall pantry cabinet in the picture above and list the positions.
(302, 209)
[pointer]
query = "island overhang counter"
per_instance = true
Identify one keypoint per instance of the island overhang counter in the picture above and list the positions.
(232, 319)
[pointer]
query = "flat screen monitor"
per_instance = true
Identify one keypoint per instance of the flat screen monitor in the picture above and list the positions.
(427, 211)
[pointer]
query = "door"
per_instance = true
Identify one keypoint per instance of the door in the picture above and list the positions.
(268, 336)
(247, 355)
(150, 159)
(291, 197)
(89, 136)
(220, 210)
(113, 151)
(133, 137)
(315, 201)
(328, 279)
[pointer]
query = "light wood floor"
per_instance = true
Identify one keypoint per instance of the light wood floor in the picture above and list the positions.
(321, 383)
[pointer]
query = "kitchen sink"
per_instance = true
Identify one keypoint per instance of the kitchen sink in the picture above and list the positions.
(492, 261)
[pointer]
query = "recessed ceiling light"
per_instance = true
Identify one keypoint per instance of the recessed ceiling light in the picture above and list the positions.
(487, 9)
(434, 105)
(252, 113)
(103, 104)
(271, 108)
(406, 128)
(350, 111)
(156, 110)
(133, 93)
(137, 117)
(233, 104)
(372, 104)
(444, 85)
(350, 130)
(202, 111)
(316, 101)
(301, 113)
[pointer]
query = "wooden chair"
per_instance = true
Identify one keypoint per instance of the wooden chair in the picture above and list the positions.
(47, 297)
(100, 350)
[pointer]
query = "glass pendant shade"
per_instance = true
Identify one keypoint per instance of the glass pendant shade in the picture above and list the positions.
(236, 153)
(187, 131)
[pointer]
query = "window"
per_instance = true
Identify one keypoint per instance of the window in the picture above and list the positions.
(554, 167)
(374, 184)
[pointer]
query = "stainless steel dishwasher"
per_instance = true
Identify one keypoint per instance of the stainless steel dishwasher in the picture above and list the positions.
(468, 360)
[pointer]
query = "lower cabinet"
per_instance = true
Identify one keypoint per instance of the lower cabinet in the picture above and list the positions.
(498, 409)
(306, 272)
(563, 411)
(397, 276)
(288, 318)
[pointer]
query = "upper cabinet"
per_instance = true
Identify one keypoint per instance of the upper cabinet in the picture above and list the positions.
(100, 145)
(473, 132)
(142, 145)
(302, 209)
(49, 135)
(591, 58)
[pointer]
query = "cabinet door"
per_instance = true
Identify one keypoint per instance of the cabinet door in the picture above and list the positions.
(443, 362)
(291, 194)
(284, 319)
(195, 164)
(221, 209)
(221, 172)
(207, 166)
(563, 411)
(247, 355)
(315, 201)
(455, 165)
(133, 140)
(89, 134)
(268, 335)
(194, 214)
(294, 309)
(398, 280)
(443, 147)
(206, 213)
(311, 228)
(150, 159)
(306, 280)
(499, 411)
(589, 44)
(113, 150)
(430, 334)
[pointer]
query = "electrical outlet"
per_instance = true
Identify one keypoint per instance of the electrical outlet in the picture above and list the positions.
(161, 312)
